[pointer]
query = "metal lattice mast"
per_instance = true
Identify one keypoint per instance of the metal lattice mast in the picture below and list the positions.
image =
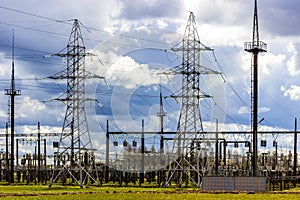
(189, 129)
(255, 47)
(75, 141)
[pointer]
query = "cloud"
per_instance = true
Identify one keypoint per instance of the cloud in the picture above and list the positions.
(218, 11)
(128, 73)
(285, 15)
(5, 65)
(222, 25)
(292, 63)
(270, 63)
(264, 109)
(293, 92)
(30, 110)
(138, 10)
(161, 24)
(244, 110)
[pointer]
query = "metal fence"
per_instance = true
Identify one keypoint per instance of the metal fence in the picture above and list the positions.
(248, 184)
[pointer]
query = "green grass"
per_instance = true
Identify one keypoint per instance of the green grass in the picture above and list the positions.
(159, 196)
(116, 193)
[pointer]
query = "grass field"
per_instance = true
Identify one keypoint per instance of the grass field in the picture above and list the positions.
(115, 193)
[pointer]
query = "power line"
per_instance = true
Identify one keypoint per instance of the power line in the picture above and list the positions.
(234, 90)
(34, 15)
(25, 49)
(64, 22)
(100, 30)
(33, 29)
(89, 39)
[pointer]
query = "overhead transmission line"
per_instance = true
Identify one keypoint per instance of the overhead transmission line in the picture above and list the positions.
(235, 92)
(101, 30)
(68, 23)
(31, 14)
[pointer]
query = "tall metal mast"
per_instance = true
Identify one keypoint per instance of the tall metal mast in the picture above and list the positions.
(255, 47)
(189, 128)
(75, 142)
(161, 114)
(12, 92)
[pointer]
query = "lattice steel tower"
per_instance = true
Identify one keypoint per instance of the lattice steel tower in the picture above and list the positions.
(255, 47)
(186, 147)
(75, 151)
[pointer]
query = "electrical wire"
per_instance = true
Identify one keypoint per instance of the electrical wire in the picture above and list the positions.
(26, 49)
(66, 22)
(31, 14)
(101, 30)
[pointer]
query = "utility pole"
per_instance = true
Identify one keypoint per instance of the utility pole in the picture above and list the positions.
(217, 148)
(12, 92)
(295, 150)
(161, 114)
(107, 153)
(142, 173)
(255, 47)
(6, 154)
(39, 152)
(17, 152)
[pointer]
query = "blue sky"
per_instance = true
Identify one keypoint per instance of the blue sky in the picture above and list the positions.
(129, 38)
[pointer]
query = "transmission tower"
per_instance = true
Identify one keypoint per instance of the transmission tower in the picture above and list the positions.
(75, 150)
(189, 129)
(12, 92)
(255, 47)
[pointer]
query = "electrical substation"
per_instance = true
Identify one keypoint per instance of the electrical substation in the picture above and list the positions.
(188, 157)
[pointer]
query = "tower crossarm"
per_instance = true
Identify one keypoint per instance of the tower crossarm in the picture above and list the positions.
(66, 74)
(181, 71)
(69, 99)
(204, 48)
(193, 96)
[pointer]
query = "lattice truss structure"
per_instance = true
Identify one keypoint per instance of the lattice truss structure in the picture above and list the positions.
(187, 163)
(75, 152)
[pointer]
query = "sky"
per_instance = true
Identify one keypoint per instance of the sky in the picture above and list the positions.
(133, 41)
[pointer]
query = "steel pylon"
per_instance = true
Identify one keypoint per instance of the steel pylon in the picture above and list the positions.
(189, 140)
(75, 155)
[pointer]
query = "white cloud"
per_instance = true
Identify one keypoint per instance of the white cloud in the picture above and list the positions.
(221, 23)
(128, 73)
(293, 92)
(161, 24)
(29, 106)
(5, 66)
(30, 111)
(3, 113)
(271, 63)
(244, 110)
(264, 109)
(213, 35)
(292, 63)
(125, 71)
